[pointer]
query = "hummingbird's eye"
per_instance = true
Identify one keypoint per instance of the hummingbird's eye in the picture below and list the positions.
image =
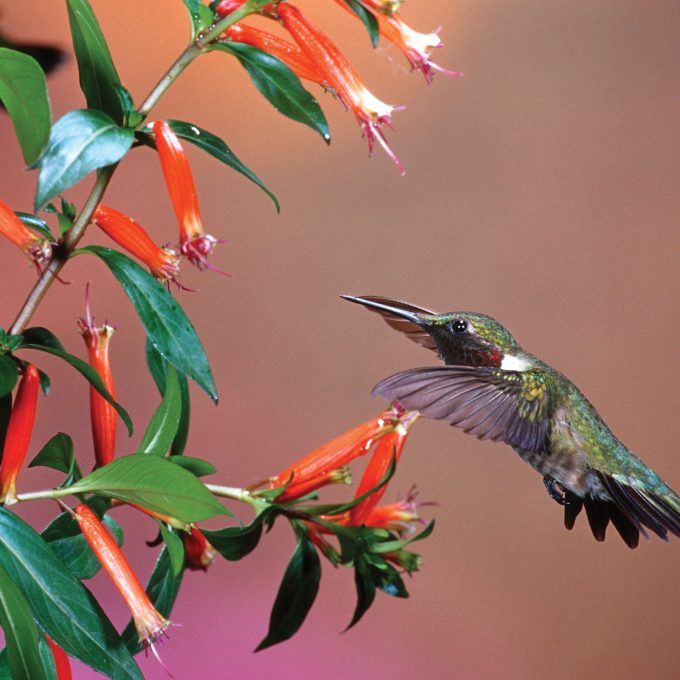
(459, 326)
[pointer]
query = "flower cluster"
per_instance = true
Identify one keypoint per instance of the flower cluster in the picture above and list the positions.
(314, 56)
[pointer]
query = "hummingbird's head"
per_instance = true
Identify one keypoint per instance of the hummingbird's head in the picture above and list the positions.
(460, 338)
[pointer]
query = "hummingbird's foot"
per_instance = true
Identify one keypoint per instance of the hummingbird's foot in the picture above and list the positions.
(555, 490)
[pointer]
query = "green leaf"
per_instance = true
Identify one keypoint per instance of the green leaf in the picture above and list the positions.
(63, 607)
(36, 223)
(213, 145)
(367, 18)
(21, 633)
(162, 590)
(175, 547)
(201, 16)
(154, 483)
(234, 543)
(296, 594)
(158, 369)
(163, 425)
(8, 374)
(37, 335)
(23, 91)
(197, 466)
(80, 142)
(99, 79)
(279, 85)
(68, 543)
(58, 455)
(166, 324)
(88, 373)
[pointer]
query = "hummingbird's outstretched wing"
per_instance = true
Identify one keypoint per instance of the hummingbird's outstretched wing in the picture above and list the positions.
(384, 305)
(509, 406)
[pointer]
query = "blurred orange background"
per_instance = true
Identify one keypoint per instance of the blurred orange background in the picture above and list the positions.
(541, 188)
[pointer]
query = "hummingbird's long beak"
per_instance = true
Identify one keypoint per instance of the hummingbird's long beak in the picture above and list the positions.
(388, 307)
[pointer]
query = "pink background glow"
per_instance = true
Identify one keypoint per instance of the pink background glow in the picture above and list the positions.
(541, 188)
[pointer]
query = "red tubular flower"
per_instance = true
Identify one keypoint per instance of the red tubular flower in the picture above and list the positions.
(198, 553)
(19, 431)
(14, 230)
(194, 243)
(416, 46)
(341, 76)
(103, 417)
(400, 517)
(389, 447)
(289, 54)
(61, 661)
(130, 235)
(148, 621)
(316, 468)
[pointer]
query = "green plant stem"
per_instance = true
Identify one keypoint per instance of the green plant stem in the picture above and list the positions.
(232, 492)
(47, 494)
(61, 255)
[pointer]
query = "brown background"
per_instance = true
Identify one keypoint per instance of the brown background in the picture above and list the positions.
(541, 188)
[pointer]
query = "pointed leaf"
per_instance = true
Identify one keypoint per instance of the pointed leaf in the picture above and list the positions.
(214, 146)
(153, 483)
(8, 375)
(99, 80)
(63, 607)
(162, 427)
(58, 454)
(23, 91)
(175, 547)
(234, 543)
(21, 633)
(279, 85)
(365, 588)
(162, 590)
(36, 223)
(367, 19)
(37, 335)
(167, 327)
(158, 368)
(80, 142)
(197, 466)
(89, 374)
(296, 595)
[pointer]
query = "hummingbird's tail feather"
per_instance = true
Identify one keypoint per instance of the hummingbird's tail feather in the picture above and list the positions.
(631, 510)
(599, 514)
(656, 512)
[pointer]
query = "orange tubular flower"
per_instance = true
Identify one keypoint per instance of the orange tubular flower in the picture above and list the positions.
(61, 662)
(14, 230)
(194, 243)
(19, 432)
(130, 235)
(148, 621)
(103, 417)
(198, 553)
(341, 76)
(291, 55)
(321, 466)
(390, 446)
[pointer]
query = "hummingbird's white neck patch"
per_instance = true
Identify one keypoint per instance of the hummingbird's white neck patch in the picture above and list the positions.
(512, 362)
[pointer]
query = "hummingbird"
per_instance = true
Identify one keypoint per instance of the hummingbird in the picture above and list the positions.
(492, 388)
